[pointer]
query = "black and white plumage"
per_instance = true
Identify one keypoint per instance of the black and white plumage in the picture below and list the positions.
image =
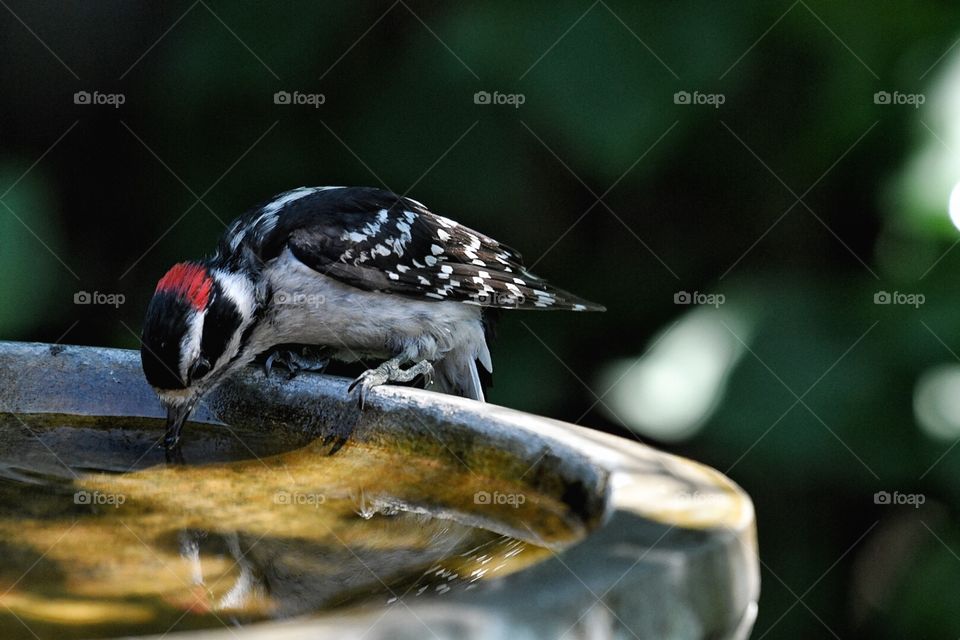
(362, 272)
(378, 241)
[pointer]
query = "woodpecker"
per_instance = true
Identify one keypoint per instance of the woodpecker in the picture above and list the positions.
(362, 273)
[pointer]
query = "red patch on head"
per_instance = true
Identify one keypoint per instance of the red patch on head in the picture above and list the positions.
(189, 281)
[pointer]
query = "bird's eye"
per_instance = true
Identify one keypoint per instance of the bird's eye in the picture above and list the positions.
(199, 369)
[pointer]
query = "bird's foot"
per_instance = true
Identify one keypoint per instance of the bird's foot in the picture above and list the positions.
(389, 371)
(296, 360)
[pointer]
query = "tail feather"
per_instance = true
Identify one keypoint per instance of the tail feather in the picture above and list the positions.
(474, 388)
(457, 375)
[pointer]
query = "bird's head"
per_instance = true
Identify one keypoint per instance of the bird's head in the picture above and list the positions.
(192, 333)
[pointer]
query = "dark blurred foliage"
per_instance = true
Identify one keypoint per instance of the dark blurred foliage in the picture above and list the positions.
(691, 198)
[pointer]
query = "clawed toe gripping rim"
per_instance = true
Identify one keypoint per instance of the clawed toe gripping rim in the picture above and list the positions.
(389, 371)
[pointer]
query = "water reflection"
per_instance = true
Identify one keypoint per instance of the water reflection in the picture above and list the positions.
(95, 554)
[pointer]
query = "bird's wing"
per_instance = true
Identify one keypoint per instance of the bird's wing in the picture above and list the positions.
(378, 241)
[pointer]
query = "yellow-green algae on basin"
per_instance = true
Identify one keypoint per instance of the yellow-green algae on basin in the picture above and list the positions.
(438, 516)
(138, 550)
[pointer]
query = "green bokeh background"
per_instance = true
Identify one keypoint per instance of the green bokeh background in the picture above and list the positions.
(693, 198)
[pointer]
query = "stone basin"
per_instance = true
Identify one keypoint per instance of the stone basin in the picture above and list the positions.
(437, 517)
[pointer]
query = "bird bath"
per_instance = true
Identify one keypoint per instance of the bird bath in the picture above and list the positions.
(439, 516)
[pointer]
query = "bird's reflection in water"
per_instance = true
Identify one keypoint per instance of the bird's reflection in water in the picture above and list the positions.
(274, 578)
(88, 554)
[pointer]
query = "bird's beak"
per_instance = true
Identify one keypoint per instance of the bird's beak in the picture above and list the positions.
(176, 416)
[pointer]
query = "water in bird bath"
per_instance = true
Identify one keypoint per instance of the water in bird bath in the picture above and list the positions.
(98, 552)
